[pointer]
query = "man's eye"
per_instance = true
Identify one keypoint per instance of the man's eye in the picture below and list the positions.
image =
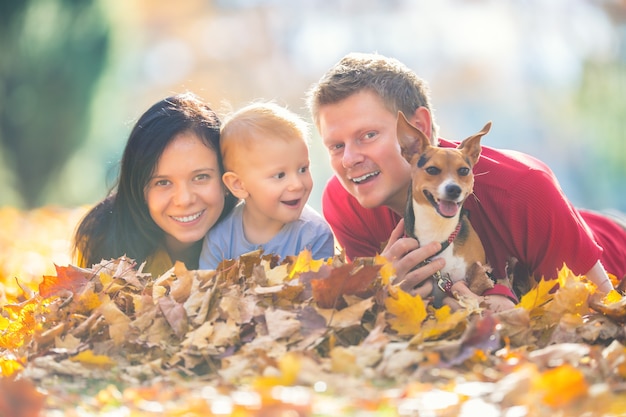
(464, 172)
(335, 148)
(433, 170)
(370, 135)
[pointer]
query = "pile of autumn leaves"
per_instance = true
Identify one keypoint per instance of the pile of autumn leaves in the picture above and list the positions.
(256, 324)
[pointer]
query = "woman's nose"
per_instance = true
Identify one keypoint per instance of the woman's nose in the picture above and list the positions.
(183, 195)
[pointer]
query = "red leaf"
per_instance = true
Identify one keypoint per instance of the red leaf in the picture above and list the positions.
(68, 278)
(344, 280)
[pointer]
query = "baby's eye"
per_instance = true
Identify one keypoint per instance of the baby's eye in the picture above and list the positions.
(279, 175)
(303, 170)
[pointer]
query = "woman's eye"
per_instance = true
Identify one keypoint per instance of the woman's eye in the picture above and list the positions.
(201, 177)
(161, 183)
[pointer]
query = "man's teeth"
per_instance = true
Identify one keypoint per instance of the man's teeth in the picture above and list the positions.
(187, 219)
(364, 177)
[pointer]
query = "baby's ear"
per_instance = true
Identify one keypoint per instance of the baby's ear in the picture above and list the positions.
(234, 184)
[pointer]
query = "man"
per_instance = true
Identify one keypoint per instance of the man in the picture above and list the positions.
(518, 209)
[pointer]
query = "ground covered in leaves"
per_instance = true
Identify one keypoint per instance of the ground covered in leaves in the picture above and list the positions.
(300, 338)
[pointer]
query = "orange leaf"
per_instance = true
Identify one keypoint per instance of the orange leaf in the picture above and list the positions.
(20, 398)
(69, 278)
(561, 385)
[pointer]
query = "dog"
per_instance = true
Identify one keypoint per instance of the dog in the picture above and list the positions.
(441, 181)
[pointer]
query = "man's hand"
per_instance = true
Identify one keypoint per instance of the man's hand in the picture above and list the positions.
(494, 303)
(405, 254)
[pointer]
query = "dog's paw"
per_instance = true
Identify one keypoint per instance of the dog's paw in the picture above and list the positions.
(478, 278)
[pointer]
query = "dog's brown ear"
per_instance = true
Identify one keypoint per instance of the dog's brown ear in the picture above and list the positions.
(412, 140)
(471, 145)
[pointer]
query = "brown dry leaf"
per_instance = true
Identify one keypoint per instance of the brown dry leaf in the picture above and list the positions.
(281, 324)
(118, 322)
(175, 315)
(346, 317)
(613, 306)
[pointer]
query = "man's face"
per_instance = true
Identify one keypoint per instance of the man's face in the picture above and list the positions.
(360, 136)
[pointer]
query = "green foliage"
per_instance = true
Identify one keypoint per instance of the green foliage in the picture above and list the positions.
(53, 52)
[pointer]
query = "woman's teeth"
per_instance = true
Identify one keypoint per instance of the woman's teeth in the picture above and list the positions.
(187, 219)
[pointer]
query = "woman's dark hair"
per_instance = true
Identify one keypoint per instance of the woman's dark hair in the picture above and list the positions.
(121, 223)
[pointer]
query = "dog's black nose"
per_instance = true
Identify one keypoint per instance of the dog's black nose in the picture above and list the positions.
(453, 191)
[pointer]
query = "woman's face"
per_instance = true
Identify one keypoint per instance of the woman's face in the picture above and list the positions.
(185, 195)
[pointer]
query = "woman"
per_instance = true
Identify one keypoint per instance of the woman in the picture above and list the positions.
(169, 192)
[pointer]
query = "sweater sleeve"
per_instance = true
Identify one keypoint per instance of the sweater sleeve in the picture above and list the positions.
(359, 231)
(547, 230)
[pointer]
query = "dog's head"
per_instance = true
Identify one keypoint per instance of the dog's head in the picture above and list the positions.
(441, 177)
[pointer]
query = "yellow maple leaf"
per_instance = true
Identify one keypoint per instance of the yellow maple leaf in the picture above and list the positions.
(539, 295)
(387, 272)
(612, 297)
(409, 311)
(289, 366)
(444, 321)
(9, 366)
(87, 357)
(22, 324)
(304, 263)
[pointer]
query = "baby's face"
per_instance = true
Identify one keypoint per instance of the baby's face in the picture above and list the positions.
(277, 178)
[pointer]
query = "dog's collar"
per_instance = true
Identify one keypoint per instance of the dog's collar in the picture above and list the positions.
(447, 242)
(453, 235)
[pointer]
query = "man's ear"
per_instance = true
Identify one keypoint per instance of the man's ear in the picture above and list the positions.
(422, 120)
(234, 184)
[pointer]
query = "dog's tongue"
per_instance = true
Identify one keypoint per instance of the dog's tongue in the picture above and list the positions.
(448, 208)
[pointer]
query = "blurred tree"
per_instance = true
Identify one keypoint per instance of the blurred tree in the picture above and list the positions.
(52, 54)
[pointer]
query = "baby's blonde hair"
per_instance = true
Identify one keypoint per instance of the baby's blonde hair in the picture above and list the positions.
(255, 123)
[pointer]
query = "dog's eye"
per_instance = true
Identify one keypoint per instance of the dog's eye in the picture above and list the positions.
(464, 172)
(433, 170)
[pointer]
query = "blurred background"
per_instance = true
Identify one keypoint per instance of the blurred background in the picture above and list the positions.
(76, 74)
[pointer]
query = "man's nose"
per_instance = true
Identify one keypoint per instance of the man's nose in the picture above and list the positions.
(352, 155)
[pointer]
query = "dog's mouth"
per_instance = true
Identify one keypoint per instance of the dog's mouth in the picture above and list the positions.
(445, 208)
